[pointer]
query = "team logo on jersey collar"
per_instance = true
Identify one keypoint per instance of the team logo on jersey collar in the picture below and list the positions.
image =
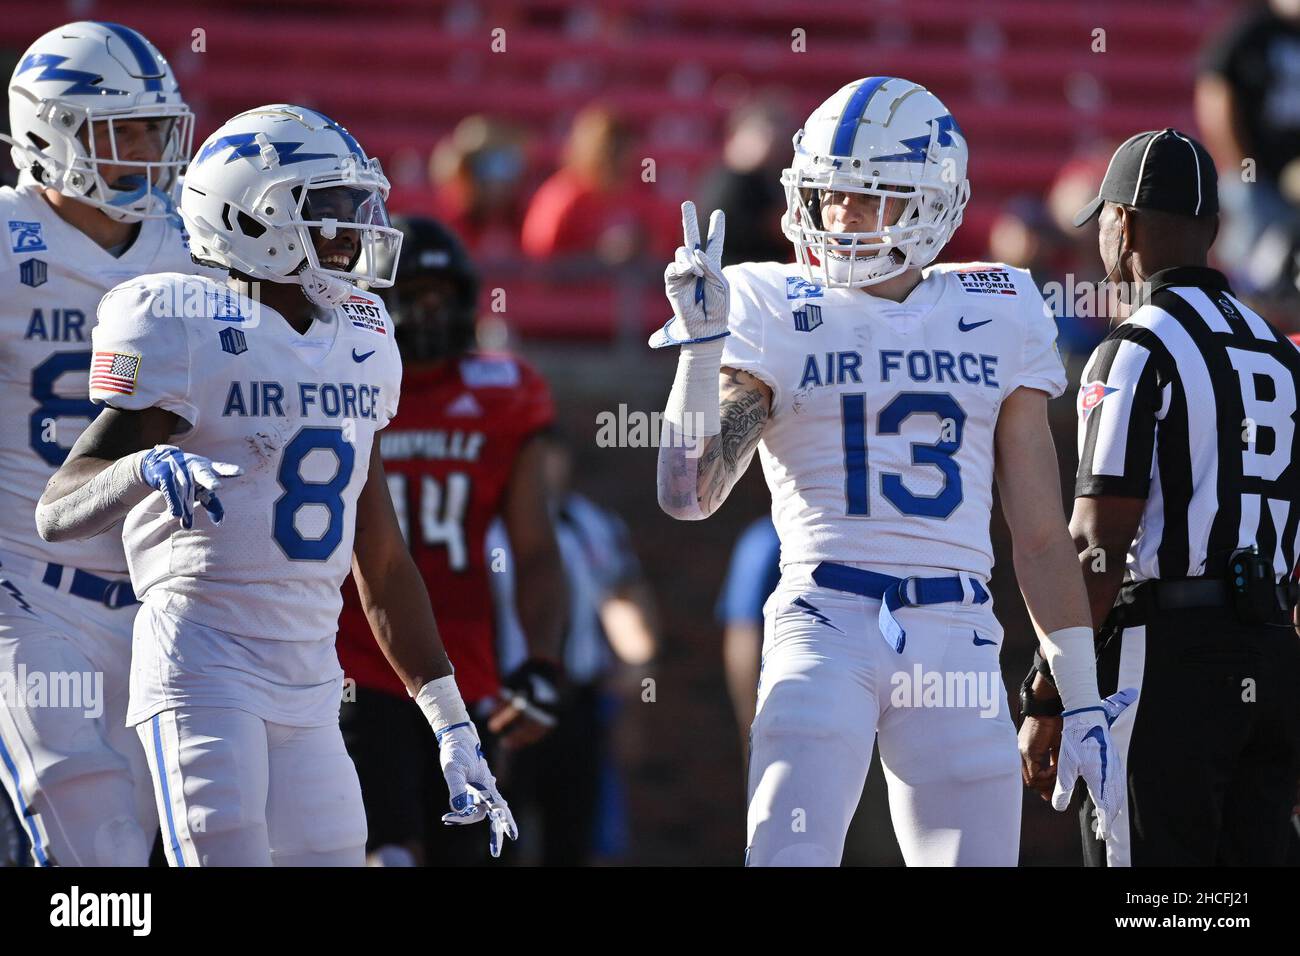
(33, 272)
(807, 318)
(26, 236)
(1090, 396)
(797, 287)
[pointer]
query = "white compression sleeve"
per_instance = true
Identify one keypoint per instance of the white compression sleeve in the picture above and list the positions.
(692, 407)
(97, 505)
(1071, 656)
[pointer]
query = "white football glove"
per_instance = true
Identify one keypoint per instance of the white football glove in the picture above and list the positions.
(184, 478)
(695, 285)
(1086, 751)
(473, 789)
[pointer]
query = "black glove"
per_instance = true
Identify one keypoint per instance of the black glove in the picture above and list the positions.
(534, 688)
(1031, 706)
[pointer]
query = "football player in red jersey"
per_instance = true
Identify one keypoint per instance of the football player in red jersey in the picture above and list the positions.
(459, 453)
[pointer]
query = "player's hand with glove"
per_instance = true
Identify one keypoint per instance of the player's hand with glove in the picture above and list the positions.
(529, 704)
(184, 478)
(472, 788)
(695, 285)
(1086, 751)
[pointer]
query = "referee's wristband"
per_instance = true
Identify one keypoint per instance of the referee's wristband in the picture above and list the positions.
(1030, 706)
(1041, 666)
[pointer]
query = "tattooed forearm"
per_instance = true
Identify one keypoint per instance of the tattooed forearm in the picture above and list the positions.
(744, 411)
(694, 481)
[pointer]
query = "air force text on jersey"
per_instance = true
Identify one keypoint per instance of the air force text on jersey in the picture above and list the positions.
(332, 399)
(917, 365)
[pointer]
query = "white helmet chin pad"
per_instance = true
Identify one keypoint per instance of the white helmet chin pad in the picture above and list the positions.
(270, 182)
(890, 141)
(324, 289)
(96, 114)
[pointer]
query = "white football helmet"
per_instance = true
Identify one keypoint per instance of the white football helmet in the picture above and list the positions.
(268, 176)
(88, 77)
(882, 137)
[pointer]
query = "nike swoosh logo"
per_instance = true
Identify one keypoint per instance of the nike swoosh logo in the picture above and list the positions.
(1097, 735)
(979, 641)
(961, 324)
(362, 358)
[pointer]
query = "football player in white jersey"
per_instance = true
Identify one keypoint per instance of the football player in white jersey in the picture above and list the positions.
(883, 395)
(235, 683)
(100, 135)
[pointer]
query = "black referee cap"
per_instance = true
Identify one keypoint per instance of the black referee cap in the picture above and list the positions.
(1165, 170)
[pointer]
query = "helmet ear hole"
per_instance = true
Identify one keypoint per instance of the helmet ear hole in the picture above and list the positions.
(252, 228)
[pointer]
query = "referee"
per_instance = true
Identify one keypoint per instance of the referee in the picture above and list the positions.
(1187, 505)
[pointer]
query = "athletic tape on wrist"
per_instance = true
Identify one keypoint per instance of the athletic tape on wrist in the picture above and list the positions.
(442, 704)
(1072, 657)
(692, 407)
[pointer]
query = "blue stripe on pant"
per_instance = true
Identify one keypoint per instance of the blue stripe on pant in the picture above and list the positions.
(24, 812)
(166, 792)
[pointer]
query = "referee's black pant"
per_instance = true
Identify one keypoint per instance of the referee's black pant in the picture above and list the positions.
(1212, 745)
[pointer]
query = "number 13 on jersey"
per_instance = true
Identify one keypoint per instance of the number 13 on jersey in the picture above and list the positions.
(889, 422)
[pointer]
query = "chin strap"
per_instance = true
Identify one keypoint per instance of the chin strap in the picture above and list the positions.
(323, 289)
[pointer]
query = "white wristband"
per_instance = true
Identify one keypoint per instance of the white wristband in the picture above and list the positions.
(1073, 659)
(692, 407)
(442, 704)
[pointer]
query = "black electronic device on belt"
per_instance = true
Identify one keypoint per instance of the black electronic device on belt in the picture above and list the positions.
(1252, 586)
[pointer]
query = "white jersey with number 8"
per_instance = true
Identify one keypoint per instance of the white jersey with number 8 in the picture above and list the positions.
(299, 414)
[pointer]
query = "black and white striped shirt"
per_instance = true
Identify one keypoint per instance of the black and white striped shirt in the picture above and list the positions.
(1191, 404)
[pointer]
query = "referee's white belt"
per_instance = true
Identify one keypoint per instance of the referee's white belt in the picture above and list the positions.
(113, 593)
(895, 593)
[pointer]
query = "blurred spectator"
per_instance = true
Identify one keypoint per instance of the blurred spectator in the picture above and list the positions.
(564, 786)
(596, 203)
(1076, 293)
(462, 452)
(747, 186)
(753, 574)
(1023, 235)
(478, 173)
(1248, 107)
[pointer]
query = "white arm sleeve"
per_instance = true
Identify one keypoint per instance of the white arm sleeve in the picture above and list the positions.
(97, 505)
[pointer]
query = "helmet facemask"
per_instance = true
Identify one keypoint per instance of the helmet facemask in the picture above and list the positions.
(90, 142)
(331, 209)
(842, 259)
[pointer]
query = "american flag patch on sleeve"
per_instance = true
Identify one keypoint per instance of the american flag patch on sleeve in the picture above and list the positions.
(114, 372)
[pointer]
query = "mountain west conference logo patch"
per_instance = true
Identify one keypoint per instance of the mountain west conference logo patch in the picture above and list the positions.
(26, 236)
